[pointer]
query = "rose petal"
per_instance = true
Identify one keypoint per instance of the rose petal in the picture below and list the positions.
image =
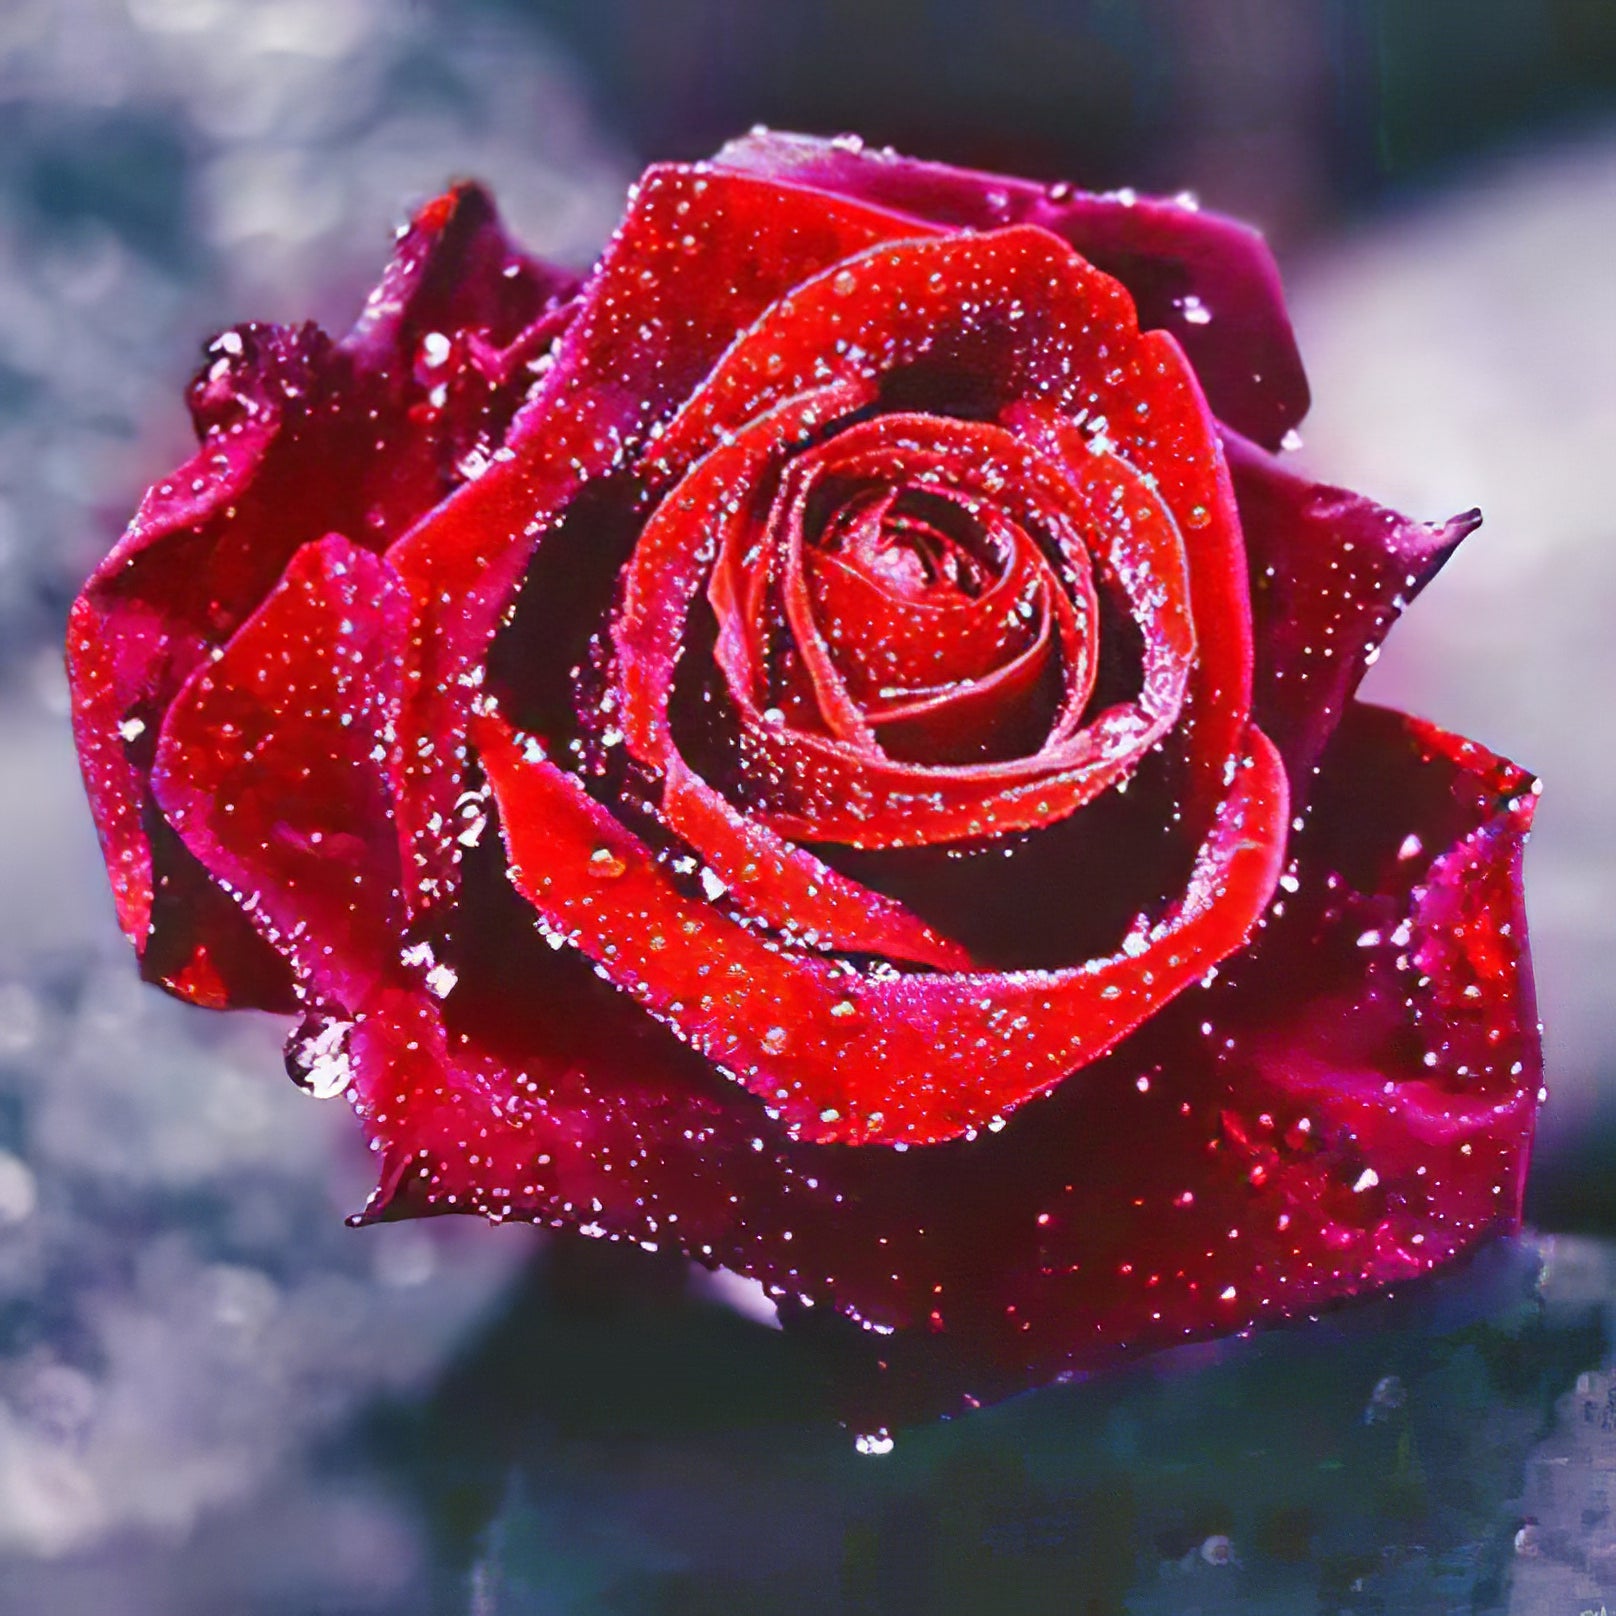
(1030, 332)
(1330, 571)
(854, 1058)
(698, 257)
(274, 767)
(785, 886)
(1209, 280)
(892, 641)
(454, 270)
(195, 561)
(1189, 1183)
(881, 641)
(999, 716)
(815, 788)
(301, 437)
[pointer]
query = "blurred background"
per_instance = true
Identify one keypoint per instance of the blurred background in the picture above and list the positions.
(184, 1321)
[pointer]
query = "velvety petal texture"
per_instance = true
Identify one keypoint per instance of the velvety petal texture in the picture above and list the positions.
(830, 744)
(301, 437)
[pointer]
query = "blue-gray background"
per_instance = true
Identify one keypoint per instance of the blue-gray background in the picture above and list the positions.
(184, 1322)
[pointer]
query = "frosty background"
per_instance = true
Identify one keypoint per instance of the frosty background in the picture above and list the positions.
(188, 1334)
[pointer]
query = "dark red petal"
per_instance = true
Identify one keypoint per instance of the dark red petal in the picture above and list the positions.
(1256, 1149)
(699, 256)
(1330, 571)
(454, 270)
(851, 1058)
(197, 558)
(302, 437)
(198, 944)
(1426, 831)
(1209, 280)
(274, 767)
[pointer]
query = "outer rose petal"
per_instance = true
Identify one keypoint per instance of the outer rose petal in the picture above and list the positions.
(273, 767)
(1330, 571)
(1208, 280)
(300, 437)
(1291, 1103)
(841, 1056)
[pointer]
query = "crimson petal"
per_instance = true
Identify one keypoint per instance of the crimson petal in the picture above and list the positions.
(301, 437)
(783, 885)
(1193, 1182)
(274, 767)
(1257, 1184)
(698, 257)
(843, 1056)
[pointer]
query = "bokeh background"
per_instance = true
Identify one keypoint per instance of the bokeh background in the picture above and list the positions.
(187, 1332)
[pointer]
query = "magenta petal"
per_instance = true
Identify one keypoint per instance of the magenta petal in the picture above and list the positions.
(1330, 572)
(274, 767)
(199, 555)
(300, 437)
(454, 269)
(1209, 280)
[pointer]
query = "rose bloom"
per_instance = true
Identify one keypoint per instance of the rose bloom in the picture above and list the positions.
(828, 744)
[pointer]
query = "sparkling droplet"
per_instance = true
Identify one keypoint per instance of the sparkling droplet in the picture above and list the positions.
(605, 865)
(317, 1056)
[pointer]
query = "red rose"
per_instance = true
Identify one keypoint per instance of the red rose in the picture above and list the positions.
(708, 745)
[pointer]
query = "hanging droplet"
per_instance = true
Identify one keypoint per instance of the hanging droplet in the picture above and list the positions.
(317, 1056)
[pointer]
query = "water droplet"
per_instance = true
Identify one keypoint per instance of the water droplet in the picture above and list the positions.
(1198, 516)
(317, 1056)
(605, 865)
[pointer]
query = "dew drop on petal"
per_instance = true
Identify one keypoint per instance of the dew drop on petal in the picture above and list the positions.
(605, 865)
